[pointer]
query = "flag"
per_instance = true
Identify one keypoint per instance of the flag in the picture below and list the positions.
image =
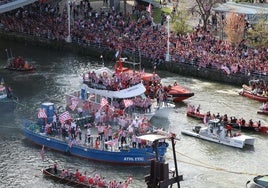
(42, 153)
(74, 103)
(128, 102)
(117, 53)
(149, 9)
(42, 113)
(90, 97)
(104, 102)
(64, 117)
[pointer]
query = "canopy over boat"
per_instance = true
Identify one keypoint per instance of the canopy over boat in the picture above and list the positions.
(130, 92)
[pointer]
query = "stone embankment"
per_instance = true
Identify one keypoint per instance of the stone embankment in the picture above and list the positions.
(188, 69)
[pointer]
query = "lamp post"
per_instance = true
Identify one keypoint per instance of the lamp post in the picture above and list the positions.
(69, 39)
(168, 35)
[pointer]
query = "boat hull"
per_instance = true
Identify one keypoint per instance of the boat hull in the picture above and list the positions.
(237, 142)
(264, 112)
(261, 180)
(195, 115)
(21, 69)
(128, 156)
(49, 173)
(179, 93)
(249, 94)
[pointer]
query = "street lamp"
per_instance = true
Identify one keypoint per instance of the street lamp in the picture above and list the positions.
(69, 39)
(168, 35)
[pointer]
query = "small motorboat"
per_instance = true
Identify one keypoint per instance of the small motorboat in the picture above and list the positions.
(18, 64)
(261, 180)
(216, 132)
(256, 90)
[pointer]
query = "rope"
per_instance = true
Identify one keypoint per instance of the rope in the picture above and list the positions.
(204, 165)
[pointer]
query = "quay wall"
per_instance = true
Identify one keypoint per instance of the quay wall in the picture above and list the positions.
(188, 69)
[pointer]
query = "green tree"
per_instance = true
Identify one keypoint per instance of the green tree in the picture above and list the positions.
(257, 35)
(180, 20)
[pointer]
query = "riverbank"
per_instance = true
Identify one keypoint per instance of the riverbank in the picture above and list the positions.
(188, 69)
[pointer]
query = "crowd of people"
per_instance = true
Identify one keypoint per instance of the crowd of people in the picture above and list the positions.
(113, 30)
(91, 180)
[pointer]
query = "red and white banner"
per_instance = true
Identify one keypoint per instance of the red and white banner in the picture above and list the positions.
(42, 113)
(128, 102)
(104, 102)
(74, 103)
(64, 117)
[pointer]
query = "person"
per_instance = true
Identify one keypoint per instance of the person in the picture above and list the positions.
(198, 109)
(229, 130)
(55, 168)
(250, 123)
(79, 133)
(259, 123)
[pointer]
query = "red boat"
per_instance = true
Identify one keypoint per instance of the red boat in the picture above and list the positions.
(263, 109)
(195, 115)
(256, 90)
(240, 124)
(152, 82)
(19, 64)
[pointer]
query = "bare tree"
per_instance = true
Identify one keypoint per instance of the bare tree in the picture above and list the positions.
(203, 9)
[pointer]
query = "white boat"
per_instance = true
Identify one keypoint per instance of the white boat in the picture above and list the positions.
(102, 91)
(216, 132)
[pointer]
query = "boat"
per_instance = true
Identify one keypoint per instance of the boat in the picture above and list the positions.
(261, 181)
(195, 113)
(18, 64)
(8, 101)
(44, 133)
(256, 90)
(175, 93)
(79, 179)
(100, 91)
(216, 132)
(240, 124)
(263, 109)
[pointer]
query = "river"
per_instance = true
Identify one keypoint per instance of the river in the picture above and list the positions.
(202, 164)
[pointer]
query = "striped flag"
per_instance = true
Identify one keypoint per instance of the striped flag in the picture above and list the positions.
(128, 102)
(74, 103)
(104, 102)
(42, 113)
(149, 9)
(90, 97)
(64, 117)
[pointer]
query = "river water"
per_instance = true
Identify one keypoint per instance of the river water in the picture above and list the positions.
(202, 164)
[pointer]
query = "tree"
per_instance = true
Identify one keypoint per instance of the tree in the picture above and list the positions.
(203, 8)
(181, 19)
(235, 28)
(257, 35)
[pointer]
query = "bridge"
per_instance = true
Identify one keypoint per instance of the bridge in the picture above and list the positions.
(14, 5)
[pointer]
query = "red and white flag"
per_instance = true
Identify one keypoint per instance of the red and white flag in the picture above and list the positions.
(64, 117)
(90, 97)
(104, 102)
(149, 9)
(128, 102)
(42, 113)
(74, 103)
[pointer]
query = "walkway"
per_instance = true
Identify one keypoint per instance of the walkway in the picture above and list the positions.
(14, 5)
